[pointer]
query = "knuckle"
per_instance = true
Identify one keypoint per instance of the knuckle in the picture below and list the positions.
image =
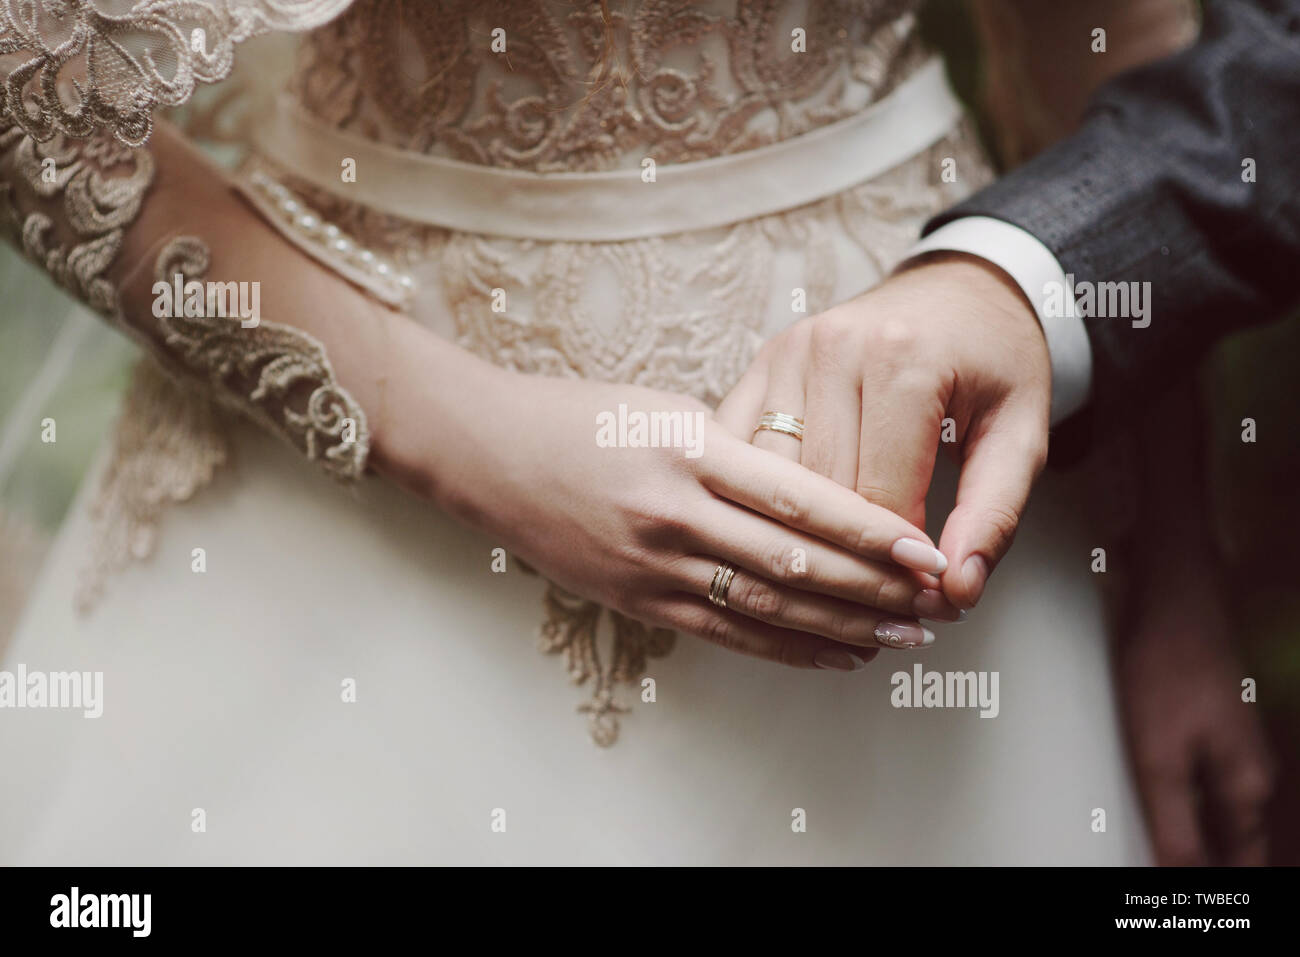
(827, 333)
(622, 595)
(699, 467)
(719, 630)
(800, 334)
(657, 518)
(641, 561)
(789, 504)
(878, 495)
(1036, 452)
(642, 608)
(690, 620)
(778, 562)
(894, 595)
(846, 629)
(1026, 441)
(765, 603)
(818, 456)
(1002, 520)
(1253, 786)
(891, 336)
(795, 340)
(916, 380)
(864, 539)
(646, 612)
(877, 590)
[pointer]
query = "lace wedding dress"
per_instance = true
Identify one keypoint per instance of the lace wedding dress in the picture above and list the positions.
(352, 677)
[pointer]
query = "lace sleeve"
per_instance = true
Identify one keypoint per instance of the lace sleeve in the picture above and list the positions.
(83, 210)
(74, 67)
(80, 196)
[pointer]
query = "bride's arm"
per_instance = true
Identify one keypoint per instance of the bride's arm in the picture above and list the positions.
(348, 380)
(193, 207)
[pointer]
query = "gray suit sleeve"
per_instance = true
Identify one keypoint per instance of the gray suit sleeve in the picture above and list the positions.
(1151, 189)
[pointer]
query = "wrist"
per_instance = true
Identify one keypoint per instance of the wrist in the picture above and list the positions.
(427, 404)
(974, 278)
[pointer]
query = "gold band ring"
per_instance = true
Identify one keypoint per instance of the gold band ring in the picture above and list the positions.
(781, 422)
(722, 576)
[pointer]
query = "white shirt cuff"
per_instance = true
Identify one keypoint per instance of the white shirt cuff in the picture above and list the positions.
(1035, 270)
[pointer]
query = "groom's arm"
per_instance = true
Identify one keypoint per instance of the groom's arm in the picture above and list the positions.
(1185, 175)
(1150, 190)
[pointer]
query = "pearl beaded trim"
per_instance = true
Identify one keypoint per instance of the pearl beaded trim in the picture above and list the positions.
(326, 241)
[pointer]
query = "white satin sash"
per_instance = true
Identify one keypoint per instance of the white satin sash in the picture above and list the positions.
(615, 205)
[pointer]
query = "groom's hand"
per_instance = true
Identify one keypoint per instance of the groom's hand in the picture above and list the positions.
(948, 352)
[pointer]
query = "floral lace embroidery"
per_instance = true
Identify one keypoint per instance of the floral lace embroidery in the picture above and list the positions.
(677, 80)
(168, 444)
(572, 627)
(275, 375)
(77, 66)
(78, 240)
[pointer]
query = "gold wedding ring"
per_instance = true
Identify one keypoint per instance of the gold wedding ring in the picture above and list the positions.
(722, 576)
(780, 422)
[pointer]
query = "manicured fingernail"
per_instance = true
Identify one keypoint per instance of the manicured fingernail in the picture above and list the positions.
(903, 634)
(974, 573)
(838, 661)
(916, 554)
(930, 603)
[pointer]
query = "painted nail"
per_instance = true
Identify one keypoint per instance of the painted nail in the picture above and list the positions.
(838, 661)
(918, 555)
(974, 573)
(903, 634)
(930, 603)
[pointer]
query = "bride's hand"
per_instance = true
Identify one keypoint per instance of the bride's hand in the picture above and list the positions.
(642, 530)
